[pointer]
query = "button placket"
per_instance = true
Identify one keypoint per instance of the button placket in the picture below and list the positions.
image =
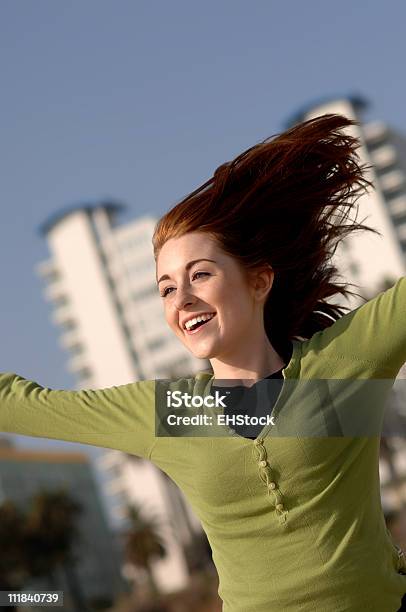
(401, 560)
(265, 474)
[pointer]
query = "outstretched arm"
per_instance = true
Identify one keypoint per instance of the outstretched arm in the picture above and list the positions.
(369, 341)
(120, 417)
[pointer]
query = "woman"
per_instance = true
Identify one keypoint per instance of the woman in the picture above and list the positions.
(292, 511)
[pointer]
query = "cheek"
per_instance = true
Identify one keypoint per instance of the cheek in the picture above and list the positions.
(236, 312)
(169, 317)
(172, 320)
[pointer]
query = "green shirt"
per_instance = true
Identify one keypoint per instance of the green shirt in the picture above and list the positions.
(294, 517)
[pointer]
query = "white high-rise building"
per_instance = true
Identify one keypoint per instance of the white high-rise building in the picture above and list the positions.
(387, 151)
(101, 282)
(373, 263)
(364, 258)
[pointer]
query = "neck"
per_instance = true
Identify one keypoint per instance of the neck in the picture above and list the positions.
(249, 364)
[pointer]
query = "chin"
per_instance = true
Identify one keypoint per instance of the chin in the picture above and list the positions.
(198, 354)
(204, 353)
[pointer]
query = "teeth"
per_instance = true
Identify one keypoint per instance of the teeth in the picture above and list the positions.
(193, 322)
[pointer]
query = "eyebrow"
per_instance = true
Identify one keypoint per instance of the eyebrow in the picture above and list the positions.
(187, 267)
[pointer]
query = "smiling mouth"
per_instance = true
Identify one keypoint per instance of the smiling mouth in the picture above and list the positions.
(198, 326)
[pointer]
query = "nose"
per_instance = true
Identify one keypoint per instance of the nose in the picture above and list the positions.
(182, 299)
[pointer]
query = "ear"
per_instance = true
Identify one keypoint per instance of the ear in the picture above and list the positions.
(261, 281)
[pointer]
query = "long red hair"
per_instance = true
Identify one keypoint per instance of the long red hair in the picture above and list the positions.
(283, 202)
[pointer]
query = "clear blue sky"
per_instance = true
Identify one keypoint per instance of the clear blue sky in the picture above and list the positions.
(141, 100)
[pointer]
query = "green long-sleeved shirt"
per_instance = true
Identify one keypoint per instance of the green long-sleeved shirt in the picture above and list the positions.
(294, 519)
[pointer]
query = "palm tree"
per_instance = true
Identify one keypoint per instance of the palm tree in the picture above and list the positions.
(35, 542)
(13, 571)
(144, 543)
(50, 534)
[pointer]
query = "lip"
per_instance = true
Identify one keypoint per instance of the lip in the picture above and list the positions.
(195, 331)
(196, 314)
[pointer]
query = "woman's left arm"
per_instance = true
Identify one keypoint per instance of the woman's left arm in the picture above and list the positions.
(382, 323)
(368, 341)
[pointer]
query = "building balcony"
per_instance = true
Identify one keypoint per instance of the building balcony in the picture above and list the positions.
(374, 131)
(47, 270)
(111, 459)
(392, 181)
(62, 314)
(397, 206)
(78, 363)
(384, 156)
(54, 291)
(117, 486)
(69, 338)
(401, 230)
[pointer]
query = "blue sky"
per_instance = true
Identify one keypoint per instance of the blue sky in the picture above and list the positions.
(141, 100)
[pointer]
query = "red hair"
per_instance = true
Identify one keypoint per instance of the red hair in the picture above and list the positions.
(284, 203)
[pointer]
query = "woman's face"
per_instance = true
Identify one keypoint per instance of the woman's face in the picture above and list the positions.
(215, 285)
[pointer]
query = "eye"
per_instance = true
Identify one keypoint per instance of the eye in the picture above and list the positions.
(195, 274)
(165, 291)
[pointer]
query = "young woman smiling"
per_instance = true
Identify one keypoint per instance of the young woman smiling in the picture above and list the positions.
(293, 512)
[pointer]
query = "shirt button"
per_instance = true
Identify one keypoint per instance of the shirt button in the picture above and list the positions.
(263, 463)
(272, 485)
(279, 506)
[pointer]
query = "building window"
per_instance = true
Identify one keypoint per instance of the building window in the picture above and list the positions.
(84, 373)
(141, 265)
(377, 142)
(157, 343)
(178, 368)
(383, 170)
(53, 276)
(354, 268)
(145, 293)
(61, 300)
(392, 194)
(68, 324)
(399, 219)
(76, 349)
(135, 241)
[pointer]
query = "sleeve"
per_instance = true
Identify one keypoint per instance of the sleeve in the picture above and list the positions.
(370, 340)
(121, 418)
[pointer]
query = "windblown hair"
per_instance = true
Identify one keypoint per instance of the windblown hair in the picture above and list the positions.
(283, 202)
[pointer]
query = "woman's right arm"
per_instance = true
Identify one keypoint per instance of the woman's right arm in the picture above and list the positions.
(122, 418)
